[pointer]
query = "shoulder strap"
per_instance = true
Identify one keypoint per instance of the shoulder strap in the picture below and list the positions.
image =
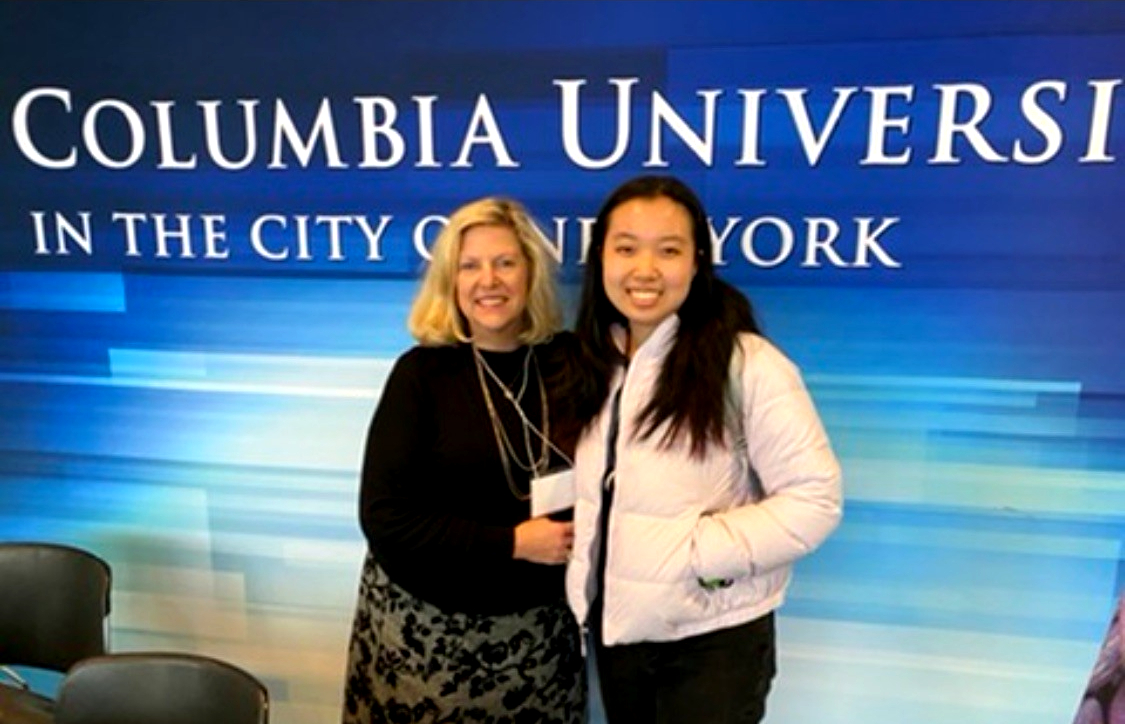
(735, 413)
(734, 396)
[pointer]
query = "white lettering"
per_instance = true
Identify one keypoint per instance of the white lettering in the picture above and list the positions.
(784, 239)
(949, 127)
(820, 234)
(1047, 126)
(484, 121)
(1099, 122)
(421, 231)
(751, 125)
(812, 142)
(257, 242)
(868, 240)
(426, 156)
(93, 143)
(373, 129)
(720, 238)
(22, 132)
(880, 123)
(323, 130)
(702, 145)
(167, 138)
(65, 232)
(213, 137)
(131, 220)
(373, 236)
(572, 143)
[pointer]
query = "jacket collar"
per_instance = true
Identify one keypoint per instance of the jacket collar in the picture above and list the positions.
(658, 343)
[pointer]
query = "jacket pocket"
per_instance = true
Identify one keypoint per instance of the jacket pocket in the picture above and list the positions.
(742, 592)
(650, 559)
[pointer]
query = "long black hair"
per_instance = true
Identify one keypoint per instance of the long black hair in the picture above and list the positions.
(712, 315)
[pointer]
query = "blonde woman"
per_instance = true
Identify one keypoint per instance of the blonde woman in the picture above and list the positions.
(462, 614)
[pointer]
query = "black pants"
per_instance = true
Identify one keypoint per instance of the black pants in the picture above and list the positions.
(722, 677)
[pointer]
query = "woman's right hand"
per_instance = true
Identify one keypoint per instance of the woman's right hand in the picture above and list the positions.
(542, 540)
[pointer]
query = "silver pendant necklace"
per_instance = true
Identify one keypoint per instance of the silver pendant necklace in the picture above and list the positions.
(535, 465)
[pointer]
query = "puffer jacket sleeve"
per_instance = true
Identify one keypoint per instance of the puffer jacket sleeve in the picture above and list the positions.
(801, 481)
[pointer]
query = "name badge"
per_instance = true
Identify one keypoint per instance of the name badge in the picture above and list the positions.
(552, 492)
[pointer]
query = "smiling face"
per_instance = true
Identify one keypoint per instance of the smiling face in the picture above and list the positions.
(648, 262)
(492, 286)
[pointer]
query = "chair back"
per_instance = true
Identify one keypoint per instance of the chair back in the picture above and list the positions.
(54, 600)
(160, 688)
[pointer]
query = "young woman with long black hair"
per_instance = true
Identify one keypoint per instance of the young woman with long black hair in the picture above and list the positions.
(703, 470)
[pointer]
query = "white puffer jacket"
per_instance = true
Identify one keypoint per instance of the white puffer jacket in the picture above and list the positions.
(676, 519)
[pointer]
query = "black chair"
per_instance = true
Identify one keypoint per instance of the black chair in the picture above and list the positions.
(160, 688)
(54, 600)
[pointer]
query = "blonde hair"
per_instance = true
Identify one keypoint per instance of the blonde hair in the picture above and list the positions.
(436, 320)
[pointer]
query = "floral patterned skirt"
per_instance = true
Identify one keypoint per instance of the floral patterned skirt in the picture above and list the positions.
(412, 662)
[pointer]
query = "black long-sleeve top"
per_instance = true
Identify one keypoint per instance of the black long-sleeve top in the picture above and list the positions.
(435, 505)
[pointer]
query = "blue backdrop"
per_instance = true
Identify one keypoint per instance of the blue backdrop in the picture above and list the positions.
(212, 218)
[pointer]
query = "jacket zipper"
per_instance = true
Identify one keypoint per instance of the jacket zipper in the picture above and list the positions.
(609, 480)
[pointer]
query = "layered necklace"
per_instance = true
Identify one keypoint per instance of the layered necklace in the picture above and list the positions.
(535, 465)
